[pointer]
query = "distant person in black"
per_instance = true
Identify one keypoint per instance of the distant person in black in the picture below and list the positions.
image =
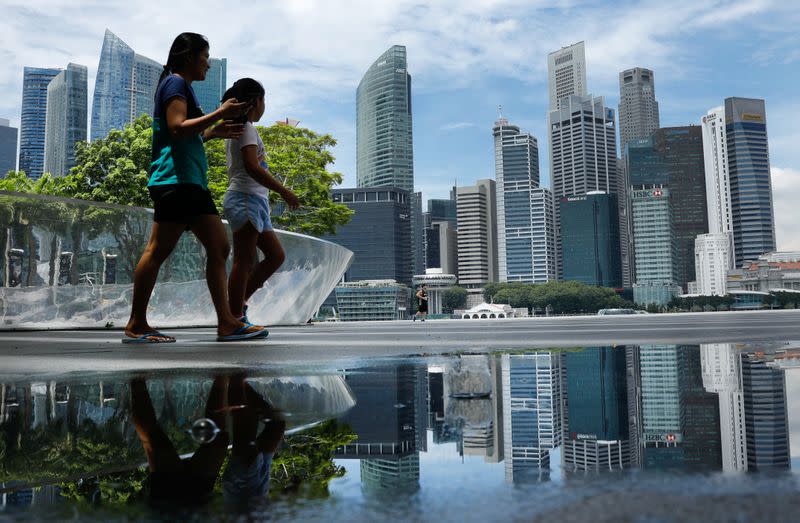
(422, 308)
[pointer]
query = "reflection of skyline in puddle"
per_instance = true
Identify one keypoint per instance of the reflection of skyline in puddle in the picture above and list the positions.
(544, 415)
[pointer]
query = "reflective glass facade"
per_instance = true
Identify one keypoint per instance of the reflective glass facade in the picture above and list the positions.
(32, 123)
(67, 114)
(209, 92)
(8, 147)
(378, 233)
(590, 240)
(384, 146)
(124, 88)
(673, 157)
(751, 187)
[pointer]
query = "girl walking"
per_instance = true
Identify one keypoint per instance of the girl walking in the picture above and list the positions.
(246, 203)
(179, 188)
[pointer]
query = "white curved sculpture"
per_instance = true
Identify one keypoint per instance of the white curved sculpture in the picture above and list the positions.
(69, 264)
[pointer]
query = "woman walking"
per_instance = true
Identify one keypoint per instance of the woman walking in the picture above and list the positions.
(178, 187)
(246, 203)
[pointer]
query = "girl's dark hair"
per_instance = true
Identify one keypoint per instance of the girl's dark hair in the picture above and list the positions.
(244, 90)
(185, 47)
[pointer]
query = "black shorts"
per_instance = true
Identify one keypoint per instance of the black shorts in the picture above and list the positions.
(423, 307)
(181, 202)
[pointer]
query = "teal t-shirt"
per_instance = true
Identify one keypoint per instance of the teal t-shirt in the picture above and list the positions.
(176, 161)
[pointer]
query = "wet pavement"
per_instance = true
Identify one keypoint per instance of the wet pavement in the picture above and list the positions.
(617, 432)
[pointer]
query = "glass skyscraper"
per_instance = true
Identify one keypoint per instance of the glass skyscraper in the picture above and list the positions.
(384, 147)
(209, 92)
(525, 228)
(590, 239)
(32, 123)
(66, 118)
(8, 147)
(750, 184)
(125, 86)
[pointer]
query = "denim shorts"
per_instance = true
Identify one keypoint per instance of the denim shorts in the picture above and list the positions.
(240, 208)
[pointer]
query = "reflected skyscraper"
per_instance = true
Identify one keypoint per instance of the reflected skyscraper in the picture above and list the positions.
(34, 117)
(595, 410)
(765, 415)
(661, 408)
(532, 387)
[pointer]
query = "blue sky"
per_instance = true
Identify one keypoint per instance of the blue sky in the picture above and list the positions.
(466, 57)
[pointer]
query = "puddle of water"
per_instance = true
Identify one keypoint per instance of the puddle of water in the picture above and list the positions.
(641, 433)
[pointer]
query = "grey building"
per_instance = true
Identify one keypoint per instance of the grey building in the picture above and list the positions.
(67, 113)
(583, 155)
(8, 147)
(774, 271)
(752, 210)
(441, 247)
(566, 73)
(378, 233)
(34, 115)
(443, 209)
(417, 234)
(477, 236)
(373, 300)
(638, 108)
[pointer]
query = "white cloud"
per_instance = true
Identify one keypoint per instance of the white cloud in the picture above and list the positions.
(786, 194)
(454, 126)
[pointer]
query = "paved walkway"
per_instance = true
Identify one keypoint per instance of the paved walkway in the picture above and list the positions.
(309, 346)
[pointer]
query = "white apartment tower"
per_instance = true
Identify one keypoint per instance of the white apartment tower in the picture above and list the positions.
(566, 73)
(714, 253)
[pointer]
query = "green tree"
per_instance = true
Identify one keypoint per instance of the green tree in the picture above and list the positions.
(453, 298)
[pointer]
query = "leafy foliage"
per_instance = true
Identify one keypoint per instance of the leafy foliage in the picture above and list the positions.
(115, 169)
(700, 303)
(453, 298)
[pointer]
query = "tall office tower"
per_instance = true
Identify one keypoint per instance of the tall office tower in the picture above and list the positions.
(583, 155)
(209, 92)
(765, 415)
(590, 239)
(673, 157)
(738, 184)
(638, 108)
(566, 73)
(477, 236)
(661, 406)
(34, 115)
(124, 88)
(378, 233)
(722, 374)
(384, 145)
(712, 255)
(595, 410)
(443, 209)
(8, 147)
(753, 217)
(525, 232)
(654, 246)
(633, 377)
(417, 234)
(67, 112)
(531, 391)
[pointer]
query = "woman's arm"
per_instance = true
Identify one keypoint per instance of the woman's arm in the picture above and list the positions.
(265, 178)
(181, 127)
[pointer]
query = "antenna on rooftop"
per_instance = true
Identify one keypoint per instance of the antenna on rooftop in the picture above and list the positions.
(500, 112)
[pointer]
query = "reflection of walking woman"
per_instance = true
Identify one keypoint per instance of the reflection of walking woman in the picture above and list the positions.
(422, 309)
(179, 188)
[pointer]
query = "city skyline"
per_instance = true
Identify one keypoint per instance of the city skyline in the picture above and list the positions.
(449, 143)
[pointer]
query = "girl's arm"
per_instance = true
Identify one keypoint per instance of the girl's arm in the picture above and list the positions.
(181, 127)
(265, 178)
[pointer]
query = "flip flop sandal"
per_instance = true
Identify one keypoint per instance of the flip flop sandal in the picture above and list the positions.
(242, 334)
(145, 338)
